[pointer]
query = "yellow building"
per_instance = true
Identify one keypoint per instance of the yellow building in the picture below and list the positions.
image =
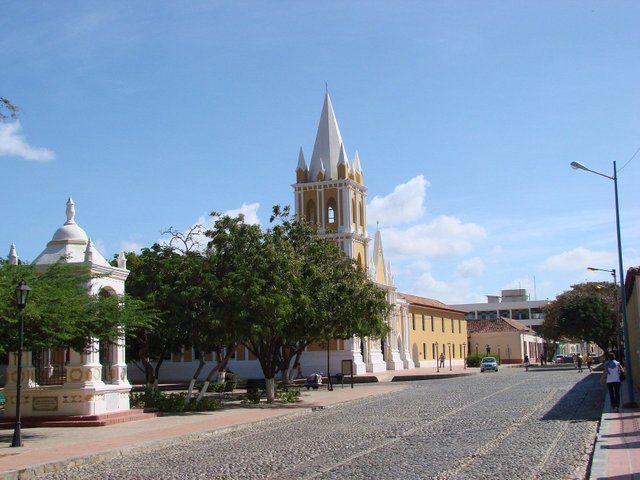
(435, 331)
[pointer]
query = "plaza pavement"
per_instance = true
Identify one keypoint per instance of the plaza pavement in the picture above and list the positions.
(616, 453)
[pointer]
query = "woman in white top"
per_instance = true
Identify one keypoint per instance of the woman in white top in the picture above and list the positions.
(611, 374)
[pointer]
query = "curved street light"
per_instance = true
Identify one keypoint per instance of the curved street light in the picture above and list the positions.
(623, 297)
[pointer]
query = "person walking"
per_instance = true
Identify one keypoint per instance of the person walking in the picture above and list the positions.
(611, 375)
(579, 362)
(589, 360)
(526, 362)
(442, 358)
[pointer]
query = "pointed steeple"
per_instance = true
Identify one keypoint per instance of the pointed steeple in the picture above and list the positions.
(357, 169)
(343, 163)
(301, 171)
(13, 256)
(321, 172)
(328, 143)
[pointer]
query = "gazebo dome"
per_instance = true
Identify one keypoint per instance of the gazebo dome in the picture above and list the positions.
(70, 244)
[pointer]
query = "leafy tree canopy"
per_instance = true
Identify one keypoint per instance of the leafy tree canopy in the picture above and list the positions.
(60, 312)
(588, 312)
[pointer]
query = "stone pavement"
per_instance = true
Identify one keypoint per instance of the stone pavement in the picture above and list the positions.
(616, 453)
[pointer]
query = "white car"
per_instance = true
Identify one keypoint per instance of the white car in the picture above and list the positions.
(489, 363)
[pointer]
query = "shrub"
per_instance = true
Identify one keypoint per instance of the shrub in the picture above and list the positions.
(253, 396)
(288, 396)
(173, 402)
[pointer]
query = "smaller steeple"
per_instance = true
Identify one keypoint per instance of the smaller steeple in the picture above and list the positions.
(357, 168)
(301, 171)
(321, 172)
(13, 256)
(343, 163)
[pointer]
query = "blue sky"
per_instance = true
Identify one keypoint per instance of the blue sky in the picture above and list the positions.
(465, 115)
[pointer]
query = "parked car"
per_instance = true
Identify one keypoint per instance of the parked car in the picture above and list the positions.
(489, 363)
(558, 359)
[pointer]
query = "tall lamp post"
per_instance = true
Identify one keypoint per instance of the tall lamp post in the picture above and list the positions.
(615, 298)
(437, 358)
(449, 345)
(22, 293)
(623, 297)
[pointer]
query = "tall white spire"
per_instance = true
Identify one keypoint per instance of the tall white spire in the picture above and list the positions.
(328, 144)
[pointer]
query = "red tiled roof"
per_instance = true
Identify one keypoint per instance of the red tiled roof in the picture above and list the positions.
(427, 302)
(501, 324)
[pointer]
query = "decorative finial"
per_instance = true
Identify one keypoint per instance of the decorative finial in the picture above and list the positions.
(88, 253)
(122, 260)
(13, 256)
(71, 212)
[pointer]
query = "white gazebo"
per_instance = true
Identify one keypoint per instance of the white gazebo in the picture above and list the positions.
(87, 385)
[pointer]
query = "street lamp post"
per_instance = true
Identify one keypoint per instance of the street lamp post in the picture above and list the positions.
(464, 357)
(488, 349)
(437, 358)
(623, 297)
(615, 298)
(22, 293)
(499, 360)
(449, 345)
(476, 349)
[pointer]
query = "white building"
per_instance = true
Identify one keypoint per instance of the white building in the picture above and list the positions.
(62, 382)
(513, 304)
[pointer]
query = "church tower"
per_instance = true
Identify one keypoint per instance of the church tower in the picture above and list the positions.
(329, 192)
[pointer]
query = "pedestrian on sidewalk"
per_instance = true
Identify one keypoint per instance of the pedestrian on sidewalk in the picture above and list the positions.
(611, 375)
(579, 362)
(589, 361)
(442, 359)
(526, 363)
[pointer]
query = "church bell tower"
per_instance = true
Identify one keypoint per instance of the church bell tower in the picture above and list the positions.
(329, 192)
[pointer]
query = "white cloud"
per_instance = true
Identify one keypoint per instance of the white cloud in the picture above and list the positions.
(13, 144)
(470, 268)
(578, 259)
(404, 204)
(443, 236)
(250, 212)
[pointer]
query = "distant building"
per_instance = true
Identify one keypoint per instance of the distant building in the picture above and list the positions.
(509, 339)
(513, 304)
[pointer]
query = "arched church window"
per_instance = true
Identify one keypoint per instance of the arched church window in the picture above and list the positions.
(310, 211)
(331, 211)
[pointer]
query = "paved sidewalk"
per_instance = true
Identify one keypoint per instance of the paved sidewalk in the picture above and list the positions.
(616, 454)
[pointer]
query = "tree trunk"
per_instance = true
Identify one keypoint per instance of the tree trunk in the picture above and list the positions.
(196, 374)
(270, 386)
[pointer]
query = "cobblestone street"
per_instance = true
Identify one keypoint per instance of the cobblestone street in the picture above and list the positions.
(506, 425)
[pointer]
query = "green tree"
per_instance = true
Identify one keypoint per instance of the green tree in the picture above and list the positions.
(60, 312)
(287, 288)
(588, 312)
